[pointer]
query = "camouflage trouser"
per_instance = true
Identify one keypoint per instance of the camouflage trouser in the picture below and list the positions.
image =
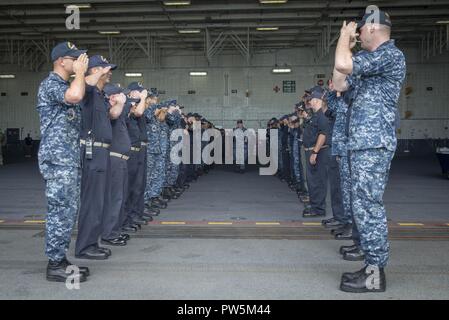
(369, 175)
(172, 173)
(345, 181)
(162, 179)
(62, 189)
(172, 170)
(155, 175)
(296, 165)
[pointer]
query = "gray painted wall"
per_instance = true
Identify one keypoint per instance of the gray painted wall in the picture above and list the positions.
(430, 110)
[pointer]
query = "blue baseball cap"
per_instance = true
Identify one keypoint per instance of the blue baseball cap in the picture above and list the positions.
(172, 103)
(66, 49)
(375, 16)
(316, 92)
(133, 86)
(112, 88)
(153, 93)
(100, 61)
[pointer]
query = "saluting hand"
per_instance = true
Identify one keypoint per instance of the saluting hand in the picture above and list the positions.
(350, 30)
(117, 99)
(121, 98)
(81, 64)
(144, 94)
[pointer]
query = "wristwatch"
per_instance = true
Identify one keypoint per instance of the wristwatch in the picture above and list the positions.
(314, 152)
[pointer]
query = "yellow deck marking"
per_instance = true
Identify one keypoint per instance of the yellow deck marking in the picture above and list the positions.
(312, 223)
(220, 223)
(172, 222)
(268, 223)
(410, 224)
(34, 221)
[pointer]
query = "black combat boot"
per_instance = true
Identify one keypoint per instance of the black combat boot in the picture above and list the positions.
(355, 255)
(164, 197)
(125, 236)
(151, 209)
(158, 203)
(175, 194)
(344, 233)
(151, 212)
(166, 194)
(139, 221)
(56, 272)
(368, 279)
(334, 224)
(344, 249)
(146, 218)
(84, 270)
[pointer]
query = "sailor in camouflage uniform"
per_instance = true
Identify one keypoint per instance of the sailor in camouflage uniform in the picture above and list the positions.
(295, 147)
(372, 139)
(155, 163)
(340, 103)
(160, 180)
(59, 153)
(148, 210)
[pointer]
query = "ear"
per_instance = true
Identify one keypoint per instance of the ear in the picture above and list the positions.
(60, 62)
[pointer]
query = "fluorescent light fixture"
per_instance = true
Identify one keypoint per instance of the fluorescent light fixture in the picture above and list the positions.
(281, 70)
(7, 76)
(189, 31)
(109, 32)
(272, 1)
(177, 3)
(443, 22)
(198, 73)
(133, 74)
(267, 28)
(80, 5)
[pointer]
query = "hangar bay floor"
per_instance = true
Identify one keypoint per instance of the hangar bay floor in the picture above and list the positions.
(234, 236)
